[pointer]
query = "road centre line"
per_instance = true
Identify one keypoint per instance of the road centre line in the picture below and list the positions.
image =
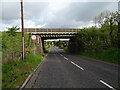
(107, 85)
(65, 58)
(61, 55)
(73, 63)
(77, 65)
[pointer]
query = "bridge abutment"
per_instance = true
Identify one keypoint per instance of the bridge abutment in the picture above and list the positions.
(75, 46)
(43, 47)
(72, 46)
(39, 47)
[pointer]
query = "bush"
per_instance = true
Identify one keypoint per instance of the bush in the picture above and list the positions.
(12, 46)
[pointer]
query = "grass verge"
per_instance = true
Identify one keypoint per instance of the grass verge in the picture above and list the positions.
(111, 55)
(15, 73)
(66, 49)
(47, 49)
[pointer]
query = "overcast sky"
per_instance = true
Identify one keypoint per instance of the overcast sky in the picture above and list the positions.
(53, 14)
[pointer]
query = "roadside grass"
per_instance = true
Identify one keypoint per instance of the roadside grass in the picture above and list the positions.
(66, 49)
(111, 55)
(0, 75)
(15, 73)
(47, 49)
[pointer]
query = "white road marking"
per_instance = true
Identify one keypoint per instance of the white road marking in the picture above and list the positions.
(77, 65)
(61, 55)
(107, 85)
(65, 58)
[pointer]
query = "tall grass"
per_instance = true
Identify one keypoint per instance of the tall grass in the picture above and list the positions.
(12, 46)
(14, 73)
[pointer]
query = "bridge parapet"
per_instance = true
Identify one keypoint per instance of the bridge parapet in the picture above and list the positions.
(51, 30)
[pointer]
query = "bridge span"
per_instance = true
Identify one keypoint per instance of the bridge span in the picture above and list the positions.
(53, 33)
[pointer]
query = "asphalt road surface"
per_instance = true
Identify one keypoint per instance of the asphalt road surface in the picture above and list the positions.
(64, 70)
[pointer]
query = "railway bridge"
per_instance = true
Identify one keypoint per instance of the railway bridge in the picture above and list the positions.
(53, 33)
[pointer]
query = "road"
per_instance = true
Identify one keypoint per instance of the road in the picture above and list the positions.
(65, 70)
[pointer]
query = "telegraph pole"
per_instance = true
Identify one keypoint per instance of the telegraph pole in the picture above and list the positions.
(95, 21)
(22, 25)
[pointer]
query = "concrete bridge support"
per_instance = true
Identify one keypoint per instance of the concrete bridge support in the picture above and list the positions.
(39, 45)
(75, 46)
(72, 46)
(43, 44)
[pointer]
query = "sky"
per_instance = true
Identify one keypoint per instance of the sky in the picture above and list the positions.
(58, 14)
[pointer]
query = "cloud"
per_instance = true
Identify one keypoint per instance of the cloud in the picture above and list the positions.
(10, 10)
(76, 14)
(54, 14)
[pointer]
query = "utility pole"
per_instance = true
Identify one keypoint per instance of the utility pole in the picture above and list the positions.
(95, 21)
(22, 25)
